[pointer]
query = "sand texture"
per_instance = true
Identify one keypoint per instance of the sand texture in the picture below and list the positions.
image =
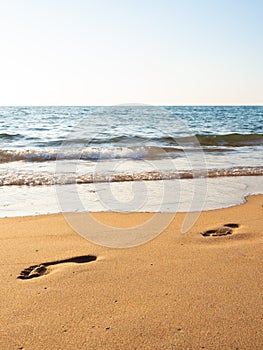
(198, 290)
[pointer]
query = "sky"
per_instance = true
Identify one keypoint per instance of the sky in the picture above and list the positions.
(107, 52)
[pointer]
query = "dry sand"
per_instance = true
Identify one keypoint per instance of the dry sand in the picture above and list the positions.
(178, 291)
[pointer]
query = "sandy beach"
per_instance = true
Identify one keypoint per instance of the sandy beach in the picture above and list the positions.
(178, 291)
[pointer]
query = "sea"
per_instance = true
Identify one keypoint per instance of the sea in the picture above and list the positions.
(128, 158)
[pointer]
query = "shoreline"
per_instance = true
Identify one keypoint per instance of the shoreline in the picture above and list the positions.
(156, 196)
(244, 201)
(177, 291)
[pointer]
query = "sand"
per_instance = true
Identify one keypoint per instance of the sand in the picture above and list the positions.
(178, 291)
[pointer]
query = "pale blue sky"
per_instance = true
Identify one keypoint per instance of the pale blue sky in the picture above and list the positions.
(103, 52)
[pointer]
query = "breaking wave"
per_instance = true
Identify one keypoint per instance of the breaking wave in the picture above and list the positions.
(197, 140)
(229, 140)
(29, 179)
(97, 153)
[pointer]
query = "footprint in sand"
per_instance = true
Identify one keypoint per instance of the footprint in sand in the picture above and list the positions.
(227, 229)
(41, 269)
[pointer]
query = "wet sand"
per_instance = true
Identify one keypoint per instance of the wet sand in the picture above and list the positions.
(198, 290)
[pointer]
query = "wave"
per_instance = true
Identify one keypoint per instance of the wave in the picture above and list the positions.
(29, 179)
(96, 153)
(229, 140)
(7, 156)
(197, 140)
(6, 136)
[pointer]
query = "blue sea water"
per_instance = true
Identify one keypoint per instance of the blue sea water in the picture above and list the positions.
(48, 127)
(45, 147)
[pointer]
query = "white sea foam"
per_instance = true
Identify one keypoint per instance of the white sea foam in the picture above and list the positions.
(38, 179)
(219, 193)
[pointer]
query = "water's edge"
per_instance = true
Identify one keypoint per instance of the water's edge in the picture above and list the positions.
(159, 196)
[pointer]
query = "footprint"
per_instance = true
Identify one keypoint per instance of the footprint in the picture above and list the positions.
(232, 225)
(41, 269)
(221, 231)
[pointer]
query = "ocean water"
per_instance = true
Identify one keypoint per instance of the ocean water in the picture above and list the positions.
(128, 158)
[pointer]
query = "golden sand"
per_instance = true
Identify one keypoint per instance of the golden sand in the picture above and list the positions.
(178, 291)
